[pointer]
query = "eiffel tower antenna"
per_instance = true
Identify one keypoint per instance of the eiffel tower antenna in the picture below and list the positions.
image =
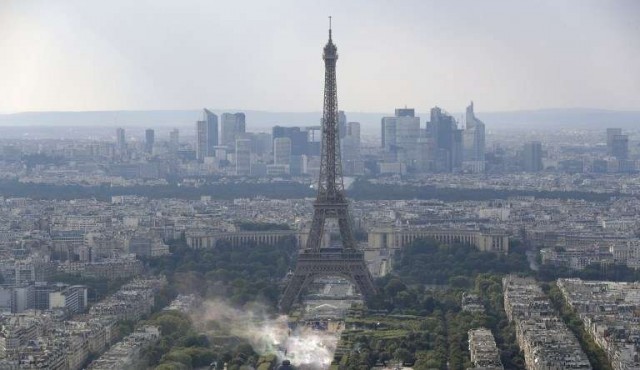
(331, 203)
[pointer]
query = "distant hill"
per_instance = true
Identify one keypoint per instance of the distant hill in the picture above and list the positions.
(263, 121)
(565, 118)
(256, 120)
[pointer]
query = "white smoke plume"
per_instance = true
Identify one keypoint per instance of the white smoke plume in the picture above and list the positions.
(304, 347)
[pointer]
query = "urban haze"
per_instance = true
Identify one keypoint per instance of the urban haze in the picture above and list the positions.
(337, 185)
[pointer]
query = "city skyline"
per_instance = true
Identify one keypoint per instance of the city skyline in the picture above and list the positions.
(175, 239)
(554, 55)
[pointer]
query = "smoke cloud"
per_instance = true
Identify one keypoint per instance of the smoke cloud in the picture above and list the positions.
(306, 348)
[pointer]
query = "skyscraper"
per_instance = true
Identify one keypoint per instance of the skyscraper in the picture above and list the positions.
(121, 144)
(201, 141)
(426, 152)
(620, 147)
(149, 138)
(448, 145)
(611, 132)
(405, 112)
(262, 143)
(457, 150)
(351, 161)
(353, 130)
(282, 151)
(212, 130)
(400, 135)
(617, 144)
(532, 157)
(174, 140)
(233, 124)
(206, 135)
(407, 134)
(473, 141)
(243, 156)
(299, 138)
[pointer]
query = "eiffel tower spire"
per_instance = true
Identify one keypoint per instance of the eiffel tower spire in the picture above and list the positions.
(330, 203)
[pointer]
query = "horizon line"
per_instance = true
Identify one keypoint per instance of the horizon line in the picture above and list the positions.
(7, 113)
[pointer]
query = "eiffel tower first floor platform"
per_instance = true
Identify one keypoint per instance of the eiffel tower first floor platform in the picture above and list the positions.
(349, 264)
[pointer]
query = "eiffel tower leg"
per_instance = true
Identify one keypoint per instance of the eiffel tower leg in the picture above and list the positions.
(314, 241)
(362, 279)
(348, 241)
(298, 283)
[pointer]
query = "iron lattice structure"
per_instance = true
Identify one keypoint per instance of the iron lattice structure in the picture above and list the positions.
(331, 203)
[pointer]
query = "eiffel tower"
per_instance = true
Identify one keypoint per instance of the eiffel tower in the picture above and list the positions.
(331, 203)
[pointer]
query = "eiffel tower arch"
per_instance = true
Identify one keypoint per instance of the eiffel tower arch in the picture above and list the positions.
(314, 261)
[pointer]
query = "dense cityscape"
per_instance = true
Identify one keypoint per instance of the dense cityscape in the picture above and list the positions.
(569, 210)
(422, 239)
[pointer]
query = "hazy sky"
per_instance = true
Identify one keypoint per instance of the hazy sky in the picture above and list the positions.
(266, 55)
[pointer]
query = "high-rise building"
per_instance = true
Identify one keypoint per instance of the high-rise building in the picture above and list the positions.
(206, 135)
(201, 141)
(611, 132)
(121, 144)
(352, 164)
(426, 152)
(473, 142)
(447, 138)
(212, 131)
(342, 124)
(383, 134)
(405, 112)
(233, 125)
(620, 147)
(174, 140)
(407, 134)
(299, 138)
(617, 144)
(400, 135)
(282, 151)
(314, 135)
(389, 126)
(353, 130)
(532, 157)
(457, 150)
(243, 156)
(149, 138)
(262, 143)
